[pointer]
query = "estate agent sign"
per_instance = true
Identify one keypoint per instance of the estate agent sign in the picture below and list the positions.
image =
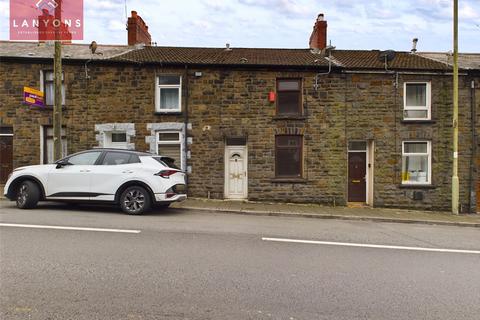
(33, 97)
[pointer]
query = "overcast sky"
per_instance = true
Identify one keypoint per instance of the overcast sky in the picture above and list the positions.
(352, 24)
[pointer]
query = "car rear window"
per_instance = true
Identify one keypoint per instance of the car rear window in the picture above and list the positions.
(116, 158)
(167, 162)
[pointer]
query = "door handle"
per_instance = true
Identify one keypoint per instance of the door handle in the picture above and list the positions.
(86, 170)
(355, 181)
(127, 171)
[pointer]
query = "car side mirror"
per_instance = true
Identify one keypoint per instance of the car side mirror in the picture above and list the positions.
(61, 163)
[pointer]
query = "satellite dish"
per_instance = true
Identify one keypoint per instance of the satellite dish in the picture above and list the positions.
(386, 56)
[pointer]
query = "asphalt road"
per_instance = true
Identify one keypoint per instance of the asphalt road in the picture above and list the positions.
(178, 264)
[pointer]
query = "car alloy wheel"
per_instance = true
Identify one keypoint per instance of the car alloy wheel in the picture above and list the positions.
(22, 195)
(28, 194)
(135, 200)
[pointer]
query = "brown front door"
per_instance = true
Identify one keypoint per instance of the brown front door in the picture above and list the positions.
(6, 157)
(357, 171)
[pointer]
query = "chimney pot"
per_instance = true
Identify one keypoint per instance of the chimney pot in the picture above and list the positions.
(414, 45)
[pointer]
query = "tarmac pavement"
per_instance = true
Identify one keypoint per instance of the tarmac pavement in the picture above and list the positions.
(363, 213)
(326, 212)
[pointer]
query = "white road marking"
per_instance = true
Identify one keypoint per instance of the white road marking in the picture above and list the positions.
(377, 246)
(33, 226)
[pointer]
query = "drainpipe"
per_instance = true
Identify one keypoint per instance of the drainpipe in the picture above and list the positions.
(473, 113)
(329, 48)
(187, 95)
(86, 95)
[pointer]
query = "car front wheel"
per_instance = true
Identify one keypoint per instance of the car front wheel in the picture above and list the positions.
(135, 200)
(28, 195)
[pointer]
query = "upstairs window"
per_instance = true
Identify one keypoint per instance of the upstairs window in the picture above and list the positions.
(417, 101)
(289, 97)
(416, 162)
(288, 156)
(168, 95)
(48, 84)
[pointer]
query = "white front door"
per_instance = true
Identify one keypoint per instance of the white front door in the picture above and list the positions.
(236, 179)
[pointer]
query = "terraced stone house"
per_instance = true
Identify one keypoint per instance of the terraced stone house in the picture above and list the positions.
(314, 125)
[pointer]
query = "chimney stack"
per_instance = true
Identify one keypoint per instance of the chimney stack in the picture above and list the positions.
(318, 39)
(137, 31)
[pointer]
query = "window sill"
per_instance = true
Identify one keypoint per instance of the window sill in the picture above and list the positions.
(417, 186)
(289, 117)
(168, 112)
(419, 121)
(288, 180)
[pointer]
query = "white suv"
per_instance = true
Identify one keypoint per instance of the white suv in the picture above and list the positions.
(134, 180)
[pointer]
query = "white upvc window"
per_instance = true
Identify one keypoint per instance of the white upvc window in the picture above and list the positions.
(47, 85)
(417, 100)
(168, 93)
(416, 162)
(170, 144)
(116, 139)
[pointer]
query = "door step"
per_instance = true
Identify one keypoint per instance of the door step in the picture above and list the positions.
(357, 205)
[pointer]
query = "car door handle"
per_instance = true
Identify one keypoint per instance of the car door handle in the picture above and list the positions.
(127, 171)
(86, 170)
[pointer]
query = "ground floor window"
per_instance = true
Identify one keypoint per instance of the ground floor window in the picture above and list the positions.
(416, 162)
(169, 139)
(288, 156)
(169, 144)
(47, 144)
(116, 139)
(115, 135)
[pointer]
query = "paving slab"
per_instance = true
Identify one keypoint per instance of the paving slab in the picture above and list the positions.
(328, 212)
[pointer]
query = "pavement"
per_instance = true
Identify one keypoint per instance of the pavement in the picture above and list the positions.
(363, 213)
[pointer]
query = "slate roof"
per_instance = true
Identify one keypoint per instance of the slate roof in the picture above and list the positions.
(465, 60)
(31, 50)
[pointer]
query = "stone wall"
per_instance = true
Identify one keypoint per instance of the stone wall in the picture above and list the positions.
(234, 102)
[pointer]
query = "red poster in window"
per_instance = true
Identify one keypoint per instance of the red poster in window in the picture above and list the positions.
(45, 20)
